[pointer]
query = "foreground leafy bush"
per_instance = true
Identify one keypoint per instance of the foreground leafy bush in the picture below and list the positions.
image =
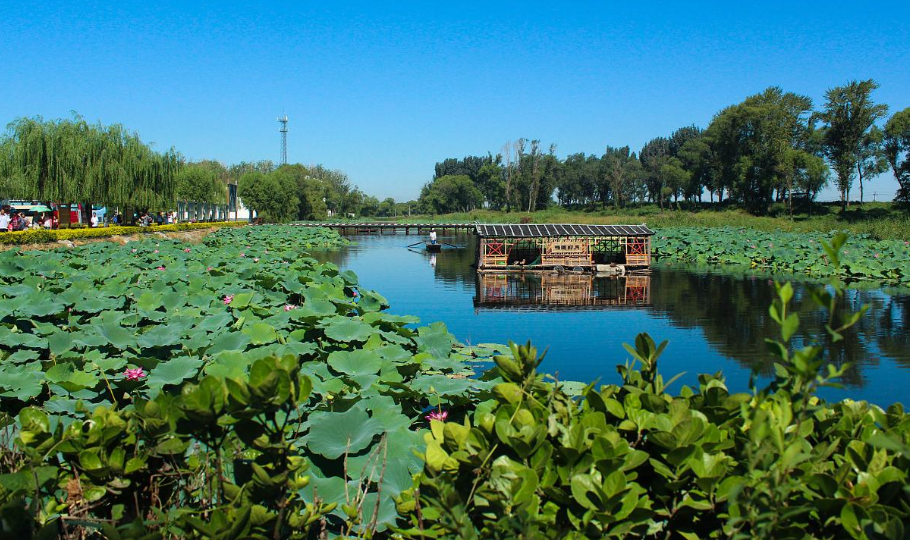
(42, 236)
(785, 252)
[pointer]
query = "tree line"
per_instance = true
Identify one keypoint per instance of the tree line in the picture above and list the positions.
(298, 192)
(71, 160)
(771, 147)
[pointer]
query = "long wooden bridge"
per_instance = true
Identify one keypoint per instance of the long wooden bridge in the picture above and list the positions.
(388, 227)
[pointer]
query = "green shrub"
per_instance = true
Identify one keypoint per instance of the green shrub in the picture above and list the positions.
(42, 236)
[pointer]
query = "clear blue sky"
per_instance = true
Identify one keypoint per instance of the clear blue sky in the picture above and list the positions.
(384, 90)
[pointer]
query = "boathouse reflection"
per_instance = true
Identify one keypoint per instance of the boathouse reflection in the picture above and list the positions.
(546, 291)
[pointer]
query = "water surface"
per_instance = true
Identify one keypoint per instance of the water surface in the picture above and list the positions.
(713, 321)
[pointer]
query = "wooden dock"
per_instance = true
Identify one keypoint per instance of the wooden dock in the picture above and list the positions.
(387, 227)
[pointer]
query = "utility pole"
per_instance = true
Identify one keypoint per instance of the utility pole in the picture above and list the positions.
(283, 120)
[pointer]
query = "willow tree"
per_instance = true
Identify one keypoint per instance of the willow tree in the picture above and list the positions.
(73, 161)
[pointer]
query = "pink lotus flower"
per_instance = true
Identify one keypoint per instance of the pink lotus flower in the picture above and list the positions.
(289, 307)
(156, 251)
(907, 243)
(243, 254)
(228, 299)
(187, 250)
(438, 415)
(160, 268)
(752, 246)
(134, 374)
(255, 259)
(209, 269)
(877, 255)
(134, 250)
(353, 293)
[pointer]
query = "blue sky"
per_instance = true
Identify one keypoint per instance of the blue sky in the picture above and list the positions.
(385, 90)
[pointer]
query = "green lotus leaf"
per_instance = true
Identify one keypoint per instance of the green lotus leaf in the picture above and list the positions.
(347, 329)
(60, 342)
(15, 340)
(117, 336)
(160, 336)
(21, 382)
(174, 371)
(70, 378)
(37, 305)
(216, 321)
(356, 362)
(435, 340)
(314, 308)
(241, 300)
(261, 333)
(98, 304)
(443, 385)
(229, 341)
(332, 434)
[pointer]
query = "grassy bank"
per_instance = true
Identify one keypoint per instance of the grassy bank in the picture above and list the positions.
(880, 221)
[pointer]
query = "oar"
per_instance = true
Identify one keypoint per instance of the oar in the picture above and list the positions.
(451, 245)
(415, 244)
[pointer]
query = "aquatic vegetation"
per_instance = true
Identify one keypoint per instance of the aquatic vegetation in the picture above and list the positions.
(192, 403)
(110, 331)
(782, 252)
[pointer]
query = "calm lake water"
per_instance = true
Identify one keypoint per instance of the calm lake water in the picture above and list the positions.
(713, 321)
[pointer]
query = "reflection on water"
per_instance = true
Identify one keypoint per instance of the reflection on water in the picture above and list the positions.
(714, 322)
(549, 291)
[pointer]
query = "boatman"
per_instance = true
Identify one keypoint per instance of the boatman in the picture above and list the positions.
(433, 236)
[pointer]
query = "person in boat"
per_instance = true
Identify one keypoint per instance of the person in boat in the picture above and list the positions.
(433, 236)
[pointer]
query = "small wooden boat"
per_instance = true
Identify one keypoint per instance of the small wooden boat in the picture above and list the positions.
(434, 248)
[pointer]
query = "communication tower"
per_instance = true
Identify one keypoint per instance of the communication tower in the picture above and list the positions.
(283, 120)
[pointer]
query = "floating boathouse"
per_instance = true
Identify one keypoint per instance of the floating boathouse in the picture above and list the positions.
(579, 248)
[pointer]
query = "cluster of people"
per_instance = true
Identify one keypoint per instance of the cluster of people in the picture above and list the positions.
(17, 220)
(11, 220)
(148, 219)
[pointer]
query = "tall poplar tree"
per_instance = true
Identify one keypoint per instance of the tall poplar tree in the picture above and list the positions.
(897, 150)
(848, 116)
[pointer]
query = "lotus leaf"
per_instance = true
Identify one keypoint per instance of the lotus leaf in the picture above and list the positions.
(333, 434)
(346, 329)
(356, 362)
(174, 371)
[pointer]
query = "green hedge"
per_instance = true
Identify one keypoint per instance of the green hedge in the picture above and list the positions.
(43, 236)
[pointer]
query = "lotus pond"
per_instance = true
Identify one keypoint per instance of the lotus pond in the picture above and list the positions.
(243, 388)
(714, 316)
(107, 325)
